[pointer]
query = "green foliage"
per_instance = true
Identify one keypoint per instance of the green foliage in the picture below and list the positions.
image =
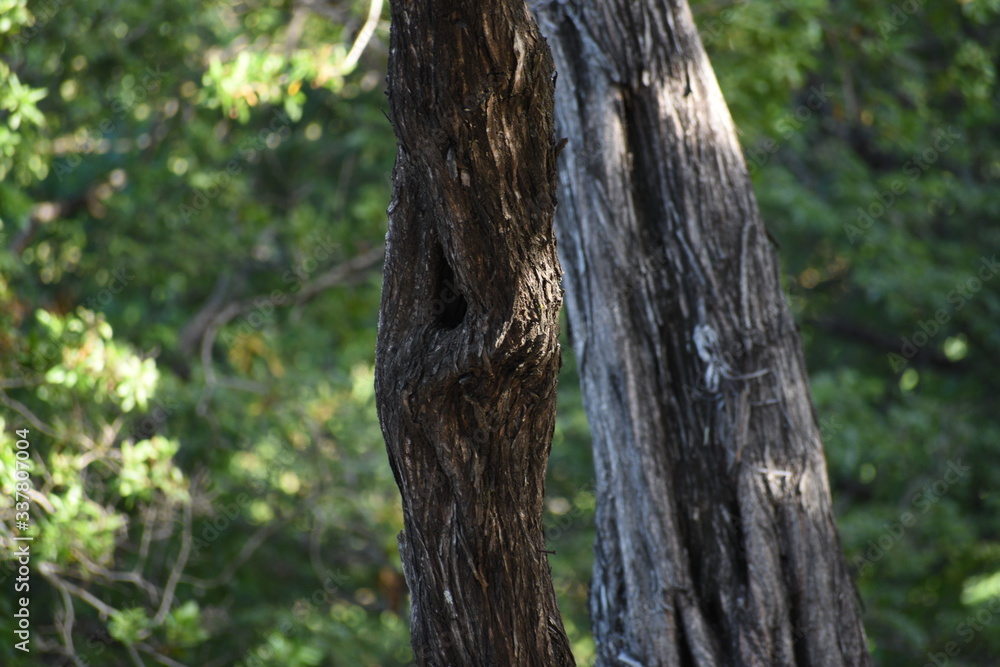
(129, 625)
(184, 625)
(189, 504)
(210, 483)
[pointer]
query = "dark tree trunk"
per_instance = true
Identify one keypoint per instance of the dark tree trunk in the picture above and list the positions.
(467, 352)
(716, 542)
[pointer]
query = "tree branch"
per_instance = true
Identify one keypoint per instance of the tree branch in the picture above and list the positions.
(179, 564)
(23, 410)
(931, 356)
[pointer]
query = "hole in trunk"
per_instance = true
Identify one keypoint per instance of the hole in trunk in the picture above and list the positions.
(449, 303)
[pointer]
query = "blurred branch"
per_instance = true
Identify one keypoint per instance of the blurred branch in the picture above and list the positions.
(847, 329)
(130, 577)
(214, 315)
(159, 657)
(66, 626)
(367, 30)
(39, 497)
(147, 537)
(43, 213)
(341, 274)
(179, 564)
(7, 383)
(294, 31)
(48, 571)
(67, 590)
(23, 410)
(132, 653)
(315, 545)
(197, 325)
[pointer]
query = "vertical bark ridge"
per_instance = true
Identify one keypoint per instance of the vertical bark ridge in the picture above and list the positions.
(716, 542)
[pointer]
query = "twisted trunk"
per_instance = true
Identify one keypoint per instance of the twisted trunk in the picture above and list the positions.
(467, 353)
(716, 542)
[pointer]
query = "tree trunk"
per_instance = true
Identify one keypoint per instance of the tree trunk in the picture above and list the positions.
(468, 353)
(716, 541)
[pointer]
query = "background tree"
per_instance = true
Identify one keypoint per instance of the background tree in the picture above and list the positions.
(468, 351)
(716, 541)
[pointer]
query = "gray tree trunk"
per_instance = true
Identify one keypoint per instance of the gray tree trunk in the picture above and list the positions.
(716, 542)
(468, 353)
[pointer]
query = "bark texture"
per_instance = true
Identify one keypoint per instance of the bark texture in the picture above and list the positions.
(716, 541)
(468, 354)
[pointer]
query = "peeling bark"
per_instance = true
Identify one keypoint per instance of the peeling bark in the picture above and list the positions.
(716, 541)
(467, 353)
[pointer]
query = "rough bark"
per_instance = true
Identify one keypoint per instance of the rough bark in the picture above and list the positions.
(467, 353)
(716, 541)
